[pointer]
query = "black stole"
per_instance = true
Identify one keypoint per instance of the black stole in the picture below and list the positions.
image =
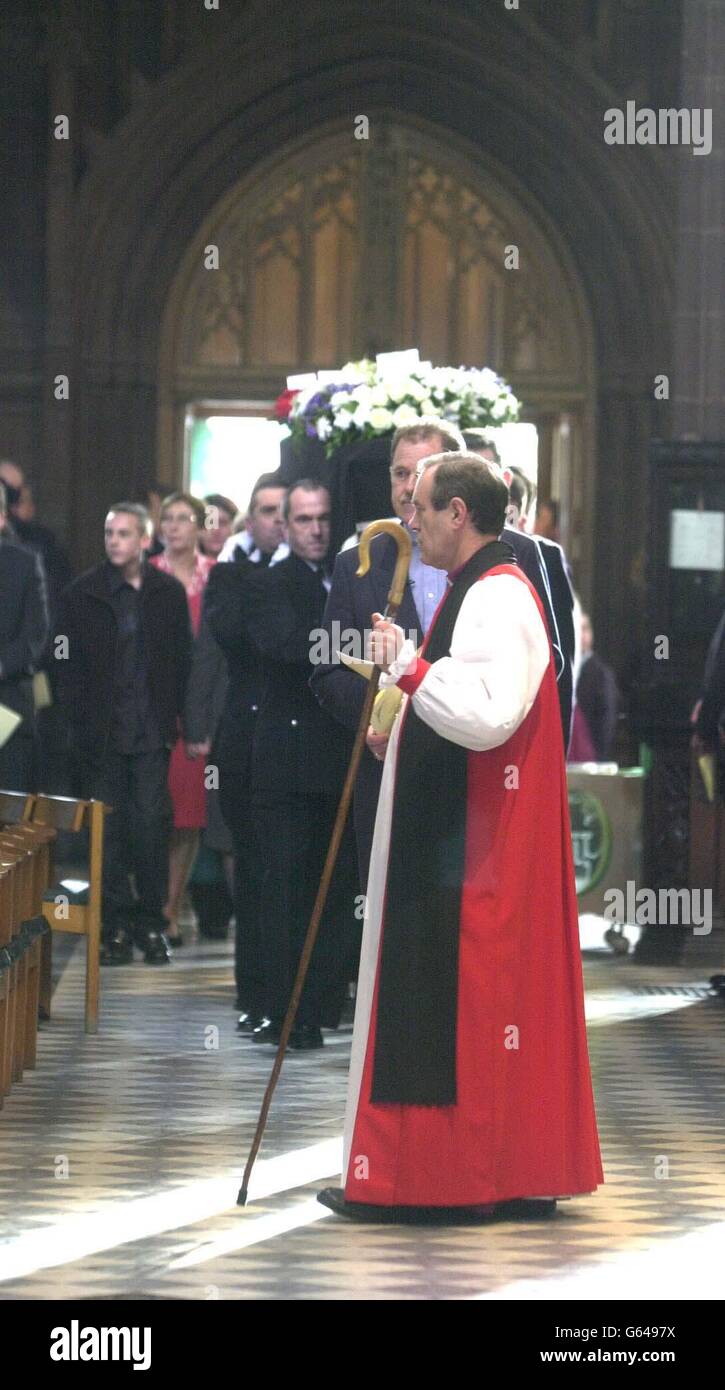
(415, 1038)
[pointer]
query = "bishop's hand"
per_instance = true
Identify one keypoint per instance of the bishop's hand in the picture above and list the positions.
(386, 639)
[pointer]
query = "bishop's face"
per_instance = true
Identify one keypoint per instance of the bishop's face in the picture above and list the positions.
(436, 536)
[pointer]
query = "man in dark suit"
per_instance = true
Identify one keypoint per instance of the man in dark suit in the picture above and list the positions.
(123, 651)
(24, 629)
(544, 564)
(352, 602)
(299, 761)
(30, 533)
(225, 612)
(597, 695)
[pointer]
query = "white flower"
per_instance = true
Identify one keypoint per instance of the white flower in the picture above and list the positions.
(379, 395)
(398, 388)
(404, 415)
(324, 428)
(427, 406)
(339, 398)
(415, 389)
(361, 418)
(345, 419)
(487, 383)
(362, 371)
(500, 408)
(362, 395)
(380, 418)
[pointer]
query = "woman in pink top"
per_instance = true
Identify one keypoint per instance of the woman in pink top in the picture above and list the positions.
(182, 522)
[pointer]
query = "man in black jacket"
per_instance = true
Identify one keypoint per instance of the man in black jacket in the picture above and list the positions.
(225, 617)
(544, 564)
(23, 636)
(123, 652)
(299, 761)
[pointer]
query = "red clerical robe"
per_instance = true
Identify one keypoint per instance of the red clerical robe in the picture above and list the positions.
(511, 1113)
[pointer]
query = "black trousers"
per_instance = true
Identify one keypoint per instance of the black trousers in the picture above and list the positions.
(136, 835)
(294, 836)
(19, 756)
(233, 754)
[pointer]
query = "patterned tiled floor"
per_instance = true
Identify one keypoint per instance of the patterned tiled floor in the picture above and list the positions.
(121, 1155)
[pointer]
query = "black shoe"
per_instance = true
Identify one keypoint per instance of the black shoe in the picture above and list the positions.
(526, 1209)
(267, 1032)
(249, 1022)
(156, 951)
(306, 1038)
(174, 941)
(117, 949)
(334, 1199)
(520, 1209)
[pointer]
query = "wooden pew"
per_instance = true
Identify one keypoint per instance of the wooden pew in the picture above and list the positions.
(78, 908)
(22, 930)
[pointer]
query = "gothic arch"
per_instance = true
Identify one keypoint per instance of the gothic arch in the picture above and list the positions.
(280, 72)
(387, 195)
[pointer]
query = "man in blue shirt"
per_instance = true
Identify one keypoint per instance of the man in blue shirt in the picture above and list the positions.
(352, 602)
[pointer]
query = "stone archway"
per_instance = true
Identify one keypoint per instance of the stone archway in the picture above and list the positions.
(337, 248)
(528, 108)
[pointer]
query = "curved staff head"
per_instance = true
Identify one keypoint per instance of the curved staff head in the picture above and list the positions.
(402, 564)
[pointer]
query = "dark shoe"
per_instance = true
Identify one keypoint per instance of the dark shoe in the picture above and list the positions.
(267, 1032)
(306, 1038)
(249, 1023)
(526, 1209)
(156, 951)
(520, 1209)
(117, 949)
(174, 941)
(334, 1199)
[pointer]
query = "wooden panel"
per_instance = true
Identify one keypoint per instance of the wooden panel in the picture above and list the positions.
(62, 812)
(76, 921)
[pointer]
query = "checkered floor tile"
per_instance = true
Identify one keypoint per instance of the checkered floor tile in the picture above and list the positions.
(121, 1157)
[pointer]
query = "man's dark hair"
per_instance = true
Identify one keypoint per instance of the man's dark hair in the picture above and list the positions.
(264, 480)
(305, 485)
(481, 488)
(428, 427)
(476, 440)
(522, 490)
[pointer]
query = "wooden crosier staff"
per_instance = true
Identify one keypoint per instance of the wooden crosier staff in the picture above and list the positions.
(395, 598)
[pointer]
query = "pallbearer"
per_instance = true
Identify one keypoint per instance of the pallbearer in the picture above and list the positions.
(469, 1083)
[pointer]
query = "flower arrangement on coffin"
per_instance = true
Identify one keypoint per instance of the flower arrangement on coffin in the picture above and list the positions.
(368, 399)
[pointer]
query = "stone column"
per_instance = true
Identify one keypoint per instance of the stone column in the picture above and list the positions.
(698, 388)
(63, 53)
